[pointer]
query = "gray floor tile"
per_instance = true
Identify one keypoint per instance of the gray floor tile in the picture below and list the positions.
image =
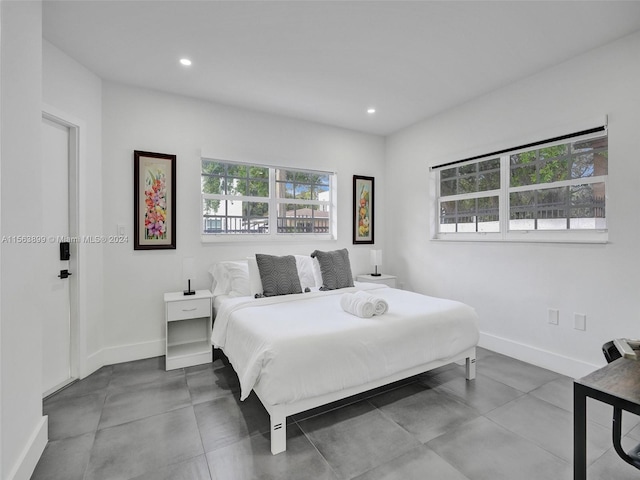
(484, 394)
(192, 469)
(125, 404)
(97, 382)
(421, 463)
(483, 450)
(251, 458)
(559, 392)
(142, 371)
(549, 427)
(226, 420)
(131, 449)
(484, 353)
(73, 416)
(610, 466)
(635, 433)
(205, 384)
(516, 374)
(424, 412)
(65, 459)
(357, 438)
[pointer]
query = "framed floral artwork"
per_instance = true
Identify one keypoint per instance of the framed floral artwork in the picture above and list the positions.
(154, 204)
(363, 218)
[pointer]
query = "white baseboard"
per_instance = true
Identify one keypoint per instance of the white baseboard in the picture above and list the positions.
(124, 353)
(542, 358)
(32, 452)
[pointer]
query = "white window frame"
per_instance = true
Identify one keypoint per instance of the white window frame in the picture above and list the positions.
(505, 234)
(273, 235)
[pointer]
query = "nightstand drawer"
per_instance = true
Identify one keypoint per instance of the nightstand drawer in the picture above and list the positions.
(196, 308)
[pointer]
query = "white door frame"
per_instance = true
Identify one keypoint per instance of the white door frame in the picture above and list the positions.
(76, 327)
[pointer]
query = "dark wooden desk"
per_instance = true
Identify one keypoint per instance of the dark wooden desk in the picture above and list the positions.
(617, 384)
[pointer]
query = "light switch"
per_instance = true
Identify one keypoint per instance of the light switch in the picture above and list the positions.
(579, 321)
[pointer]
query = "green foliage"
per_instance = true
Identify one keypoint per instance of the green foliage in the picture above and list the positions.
(236, 179)
(546, 165)
(475, 177)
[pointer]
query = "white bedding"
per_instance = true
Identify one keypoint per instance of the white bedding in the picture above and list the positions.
(301, 346)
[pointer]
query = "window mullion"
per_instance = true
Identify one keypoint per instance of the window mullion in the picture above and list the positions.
(273, 203)
(504, 209)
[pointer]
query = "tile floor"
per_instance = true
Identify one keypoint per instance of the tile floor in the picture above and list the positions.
(136, 421)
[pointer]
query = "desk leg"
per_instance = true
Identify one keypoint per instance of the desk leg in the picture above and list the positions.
(579, 432)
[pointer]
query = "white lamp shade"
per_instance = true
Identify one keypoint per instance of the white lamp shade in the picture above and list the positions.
(376, 257)
(188, 268)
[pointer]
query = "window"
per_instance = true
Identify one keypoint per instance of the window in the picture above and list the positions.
(549, 191)
(240, 199)
(303, 200)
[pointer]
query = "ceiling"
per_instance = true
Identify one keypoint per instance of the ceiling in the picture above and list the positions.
(328, 61)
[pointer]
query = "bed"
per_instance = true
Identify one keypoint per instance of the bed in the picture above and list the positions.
(298, 352)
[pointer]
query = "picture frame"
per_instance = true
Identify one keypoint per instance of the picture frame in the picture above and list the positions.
(363, 209)
(154, 200)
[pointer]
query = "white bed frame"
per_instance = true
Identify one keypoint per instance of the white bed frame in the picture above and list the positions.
(279, 413)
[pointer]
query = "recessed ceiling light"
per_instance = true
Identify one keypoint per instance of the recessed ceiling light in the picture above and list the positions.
(371, 110)
(185, 61)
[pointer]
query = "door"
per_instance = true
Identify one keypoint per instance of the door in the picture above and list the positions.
(57, 334)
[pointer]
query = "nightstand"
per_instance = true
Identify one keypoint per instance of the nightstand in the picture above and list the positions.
(389, 280)
(188, 321)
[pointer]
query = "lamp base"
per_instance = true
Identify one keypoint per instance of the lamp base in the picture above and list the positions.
(189, 291)
(375, 274)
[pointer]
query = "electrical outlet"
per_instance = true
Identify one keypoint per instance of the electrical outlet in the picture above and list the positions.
(553, 316)
(579, 321)
(121, 230)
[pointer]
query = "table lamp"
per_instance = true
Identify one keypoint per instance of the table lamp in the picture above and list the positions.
(188, 272)
(376, 259)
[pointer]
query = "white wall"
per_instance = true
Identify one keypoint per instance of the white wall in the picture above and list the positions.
(140, 119)
(22, 426)
(76, 94)
(512, 285)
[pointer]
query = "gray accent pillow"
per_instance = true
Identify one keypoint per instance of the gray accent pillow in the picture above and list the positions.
(279, 275)
(335, 269)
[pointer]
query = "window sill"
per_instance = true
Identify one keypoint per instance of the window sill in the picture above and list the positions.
(599, 237)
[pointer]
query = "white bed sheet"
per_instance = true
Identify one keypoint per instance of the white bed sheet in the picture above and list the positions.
(305, 345)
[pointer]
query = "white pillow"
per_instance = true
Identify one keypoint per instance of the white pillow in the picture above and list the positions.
(220, 284)
(255, 282)
(317, 273)
(231, 278)
(304, 264)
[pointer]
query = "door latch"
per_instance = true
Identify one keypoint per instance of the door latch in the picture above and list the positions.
(64, 274)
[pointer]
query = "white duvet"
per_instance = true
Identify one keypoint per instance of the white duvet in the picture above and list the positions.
(305, 345)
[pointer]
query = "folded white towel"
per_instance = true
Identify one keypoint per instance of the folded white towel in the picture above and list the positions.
(380, 304)
(357, 306)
